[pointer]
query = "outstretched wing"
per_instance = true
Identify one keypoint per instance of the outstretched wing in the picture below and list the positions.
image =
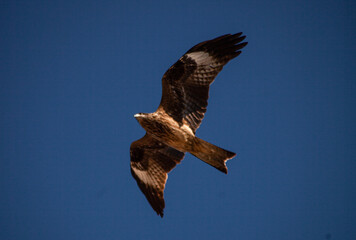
(185, 85)
(151, 160)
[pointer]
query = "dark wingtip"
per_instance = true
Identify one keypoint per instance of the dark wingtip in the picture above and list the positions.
(242, 45)
(222, 44)
(237, 34)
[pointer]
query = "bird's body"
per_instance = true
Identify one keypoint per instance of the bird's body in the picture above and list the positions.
(170, 131)
(163, 127)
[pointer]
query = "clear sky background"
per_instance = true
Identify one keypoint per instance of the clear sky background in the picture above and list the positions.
(73, 74)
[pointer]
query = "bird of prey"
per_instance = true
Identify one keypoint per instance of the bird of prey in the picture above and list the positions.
(170, 131)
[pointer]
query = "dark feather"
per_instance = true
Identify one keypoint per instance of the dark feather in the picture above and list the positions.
(185, 85)
(151, 160)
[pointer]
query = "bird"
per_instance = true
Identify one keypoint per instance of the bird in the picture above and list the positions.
(170, 130)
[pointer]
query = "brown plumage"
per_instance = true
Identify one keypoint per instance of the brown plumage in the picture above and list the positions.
(151, 160)
(170, 131)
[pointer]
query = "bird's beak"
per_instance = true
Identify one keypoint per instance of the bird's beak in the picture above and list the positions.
(136, 115)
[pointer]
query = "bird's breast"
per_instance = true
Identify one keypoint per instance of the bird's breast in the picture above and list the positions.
(167, 130)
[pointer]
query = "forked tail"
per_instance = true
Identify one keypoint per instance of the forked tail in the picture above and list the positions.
(211, 154)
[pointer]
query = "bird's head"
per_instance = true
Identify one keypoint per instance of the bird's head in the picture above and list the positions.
(142, 118)
(140, 115)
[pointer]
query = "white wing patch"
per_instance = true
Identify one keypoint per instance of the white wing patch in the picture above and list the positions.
(153, 176)
(144, 176)
(201, 58)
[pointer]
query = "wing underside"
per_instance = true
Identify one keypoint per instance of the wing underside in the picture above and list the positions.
(151, 160)
(185, 85)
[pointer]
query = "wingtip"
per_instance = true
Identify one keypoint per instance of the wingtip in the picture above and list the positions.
(244, 44)
(237, 34)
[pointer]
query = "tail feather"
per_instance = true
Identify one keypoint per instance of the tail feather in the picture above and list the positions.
(211, 154)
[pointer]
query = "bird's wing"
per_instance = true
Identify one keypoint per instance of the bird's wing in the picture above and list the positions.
(185, 85)
(151, 160)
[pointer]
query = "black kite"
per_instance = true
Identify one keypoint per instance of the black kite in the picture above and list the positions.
(170, 131)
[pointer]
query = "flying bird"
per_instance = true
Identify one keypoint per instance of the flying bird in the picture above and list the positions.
(170, 131)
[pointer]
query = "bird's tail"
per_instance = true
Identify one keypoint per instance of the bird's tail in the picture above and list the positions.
(211, 154)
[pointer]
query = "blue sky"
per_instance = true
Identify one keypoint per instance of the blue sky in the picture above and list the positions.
(73, 74)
